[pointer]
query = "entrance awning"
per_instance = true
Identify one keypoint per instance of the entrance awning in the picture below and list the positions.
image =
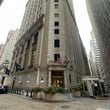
(90, 78)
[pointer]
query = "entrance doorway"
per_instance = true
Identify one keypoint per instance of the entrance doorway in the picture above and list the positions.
(57, 78)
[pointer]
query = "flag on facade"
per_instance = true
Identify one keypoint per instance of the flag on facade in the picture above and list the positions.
(18, 67)
(66, 61)
(59, 61)
(7, 71)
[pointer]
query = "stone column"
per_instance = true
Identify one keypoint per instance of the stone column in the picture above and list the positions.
(6, 81)
(38, 77)
(49, 78)
(24, 53)
(19, 55)
(65, 80)
(89, 88)
(30, 51)
(15, 59)
(39, 46)
(37, 51)
(0, 79)
(40, 53)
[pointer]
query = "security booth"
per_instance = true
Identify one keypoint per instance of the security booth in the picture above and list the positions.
(93, 86)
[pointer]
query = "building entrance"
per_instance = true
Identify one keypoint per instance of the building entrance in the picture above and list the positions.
(57, 78)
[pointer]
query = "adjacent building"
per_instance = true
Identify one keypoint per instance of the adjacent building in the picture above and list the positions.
(7, 53)
(1, 2)
(49, 51)
(85, 60)
(99, 11)
(91, 64)
(1, 49)
(96, 60)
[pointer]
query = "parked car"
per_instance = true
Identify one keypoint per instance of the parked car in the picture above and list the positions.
(3, 89)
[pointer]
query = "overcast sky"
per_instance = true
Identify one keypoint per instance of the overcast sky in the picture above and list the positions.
(83, 22)
(11, 14)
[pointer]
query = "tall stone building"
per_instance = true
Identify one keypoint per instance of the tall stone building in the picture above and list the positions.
(92, 65)
(1, 49)
(97, 60)
(99, 11)
(49, 49)
(85, 59)
(7, 54)
(1, 2)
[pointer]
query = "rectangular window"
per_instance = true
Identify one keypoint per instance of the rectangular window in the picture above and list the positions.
(13, 55)
(56, 0)
(26, 61)
(20, 60)
(56, 31)
(33, 57)
(56, 15)
(77, 77)
(70, 78)
(28, 44)
(22, 49)
(56, 6)
(35, 38)
(17, 53)
(56, 23)
(57, 43)
(56, 57)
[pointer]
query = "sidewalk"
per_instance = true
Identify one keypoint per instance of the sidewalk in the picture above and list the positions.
(101, 98)
(18, 102)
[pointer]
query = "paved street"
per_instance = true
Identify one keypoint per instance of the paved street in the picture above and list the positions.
(14, 102)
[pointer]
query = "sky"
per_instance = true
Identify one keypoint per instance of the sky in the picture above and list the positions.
(83, 22)
(11, 15)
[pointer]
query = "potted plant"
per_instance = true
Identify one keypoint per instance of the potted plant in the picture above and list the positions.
(54, 93)
(77, 90)
(37, 93)
(48, 93)
(58, 93)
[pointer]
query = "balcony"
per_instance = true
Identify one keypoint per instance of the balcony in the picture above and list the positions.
(56, 64)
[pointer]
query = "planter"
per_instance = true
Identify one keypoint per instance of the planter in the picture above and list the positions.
(77, 93)
(34, 96)
(48, 96)
(59, 97)
(39, 95)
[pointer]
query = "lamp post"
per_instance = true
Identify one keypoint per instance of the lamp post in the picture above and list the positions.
(67, 77)
(100, 86)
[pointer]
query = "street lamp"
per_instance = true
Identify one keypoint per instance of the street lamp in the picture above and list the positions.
(100, 85)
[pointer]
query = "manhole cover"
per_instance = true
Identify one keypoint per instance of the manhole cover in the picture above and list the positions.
(65, 106)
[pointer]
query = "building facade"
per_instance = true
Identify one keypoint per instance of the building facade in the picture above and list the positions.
(1, 2)
(7, 53)
(49, 49)
(96, 55)
(100, 18)
(92, 64)
(1, 49)
(85, 60)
